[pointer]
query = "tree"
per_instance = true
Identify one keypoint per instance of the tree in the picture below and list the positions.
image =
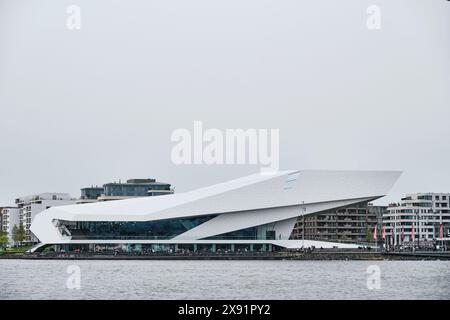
(344, 237)
(369, 235)
(3, 239)
(18, 234)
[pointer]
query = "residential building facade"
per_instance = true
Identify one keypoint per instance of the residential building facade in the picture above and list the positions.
(10, 218)
(425, 212)
(30, 206)
(354, 224)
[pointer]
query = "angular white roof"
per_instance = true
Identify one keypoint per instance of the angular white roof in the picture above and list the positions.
(257, 191)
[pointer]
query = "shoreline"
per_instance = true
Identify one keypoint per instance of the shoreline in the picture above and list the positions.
(312, 256)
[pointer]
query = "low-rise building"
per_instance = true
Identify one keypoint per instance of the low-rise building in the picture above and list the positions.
(30, 206)
(427, 213)
(133, 188)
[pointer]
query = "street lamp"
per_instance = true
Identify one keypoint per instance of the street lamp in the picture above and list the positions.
(418, 229)
(303, 225)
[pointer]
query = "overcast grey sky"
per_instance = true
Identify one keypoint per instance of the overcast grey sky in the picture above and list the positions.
(99, 104)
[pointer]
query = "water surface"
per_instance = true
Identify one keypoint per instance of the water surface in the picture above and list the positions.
(47, 279)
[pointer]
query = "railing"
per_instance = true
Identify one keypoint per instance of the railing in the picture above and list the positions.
(145, 237)
(344, 241)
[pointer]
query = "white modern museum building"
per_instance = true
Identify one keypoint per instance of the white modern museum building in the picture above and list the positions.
(256, 212)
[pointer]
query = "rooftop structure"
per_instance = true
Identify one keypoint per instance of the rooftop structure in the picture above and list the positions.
(132, 188)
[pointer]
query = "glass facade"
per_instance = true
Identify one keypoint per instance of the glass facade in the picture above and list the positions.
(91, 193)
(262, 232)
(122, 230)
(133, 189)
(187, 249)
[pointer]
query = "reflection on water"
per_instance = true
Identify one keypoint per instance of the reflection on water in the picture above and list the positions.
(23, 279)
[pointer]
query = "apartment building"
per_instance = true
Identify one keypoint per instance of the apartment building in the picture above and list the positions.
(30, 206)
(427, 213)
(354, 223)
(10, 218)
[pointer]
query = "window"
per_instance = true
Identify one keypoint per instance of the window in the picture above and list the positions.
(291, 181)
(150, 230)
(262, 232)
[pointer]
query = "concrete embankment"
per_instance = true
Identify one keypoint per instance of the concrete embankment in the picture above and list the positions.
(315, 255)
(306, 256)
(270, 256)
(417, 255)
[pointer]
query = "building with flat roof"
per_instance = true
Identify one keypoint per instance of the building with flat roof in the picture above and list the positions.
(257, 212)
(133, 188)
(353, 224)
(30, 206)
(90, 194)
(426, 213)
